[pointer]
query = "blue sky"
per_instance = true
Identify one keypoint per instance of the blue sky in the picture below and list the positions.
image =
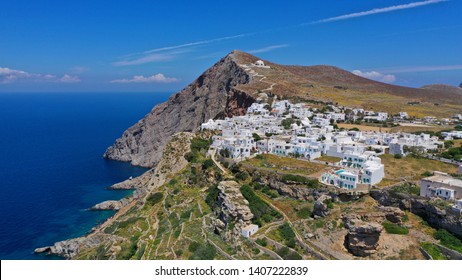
(154, 46)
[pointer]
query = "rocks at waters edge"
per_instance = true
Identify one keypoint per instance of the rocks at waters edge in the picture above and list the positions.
(110, 205)
(70, 248)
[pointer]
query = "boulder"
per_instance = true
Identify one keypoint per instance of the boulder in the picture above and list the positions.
(320, 208)
(363, 238)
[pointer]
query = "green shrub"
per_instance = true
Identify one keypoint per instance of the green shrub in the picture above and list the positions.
(398, 156)
(304, 212)
(207, 163)
(291, 243)
(405, 188)
(257, 206)
(193, 246)
(191, 156)
(242, 175)
(211, 198)
(392, 228)
(198, 144)
(154, 198)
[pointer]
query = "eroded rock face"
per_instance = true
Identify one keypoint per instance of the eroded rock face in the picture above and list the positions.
(363, 238)
(233, 208)
(320, 208)
(423, 207)
(213, 95)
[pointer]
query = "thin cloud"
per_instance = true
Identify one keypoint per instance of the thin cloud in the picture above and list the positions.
(376, 76)
(164, 53)
(268, 49)
(380, 11)
(137, 59)
(414, 69)
(8, 76)
(158, 78)
(69, 79)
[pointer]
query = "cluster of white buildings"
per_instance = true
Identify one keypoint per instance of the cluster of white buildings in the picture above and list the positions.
(297, 130)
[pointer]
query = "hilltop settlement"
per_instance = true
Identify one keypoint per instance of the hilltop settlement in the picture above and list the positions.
(256, 160)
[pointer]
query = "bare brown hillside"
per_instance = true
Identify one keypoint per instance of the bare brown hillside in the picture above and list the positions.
(332, 84)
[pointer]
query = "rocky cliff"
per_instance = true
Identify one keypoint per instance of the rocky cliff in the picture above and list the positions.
(233, 209)
(427, 209)
(213, 95)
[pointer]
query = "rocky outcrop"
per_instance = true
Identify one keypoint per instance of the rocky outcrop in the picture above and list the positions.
(132, 183)
(428, 209)
(70, 248)
(213, 95)
(233, 209)
(110, 205)
(363, 238)
(320, 209)
(392, 214)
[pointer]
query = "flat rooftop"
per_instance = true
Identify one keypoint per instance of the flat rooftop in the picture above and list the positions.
(448, 180)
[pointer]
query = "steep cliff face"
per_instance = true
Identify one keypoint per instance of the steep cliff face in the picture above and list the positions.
(213, 95)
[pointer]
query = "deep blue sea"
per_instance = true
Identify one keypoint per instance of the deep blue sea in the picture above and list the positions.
(51, 165)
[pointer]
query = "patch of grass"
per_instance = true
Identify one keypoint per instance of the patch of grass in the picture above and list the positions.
(304, 213)
(329, 159)
(449, 240)
(392, 228)
(433, 251)
(262, 242)
(412, 168)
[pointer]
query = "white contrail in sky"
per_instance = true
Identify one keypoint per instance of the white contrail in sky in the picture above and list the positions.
(380, 11)
(148, 56)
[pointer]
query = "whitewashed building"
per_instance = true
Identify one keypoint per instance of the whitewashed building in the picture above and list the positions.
(249, 230)
(441, 185)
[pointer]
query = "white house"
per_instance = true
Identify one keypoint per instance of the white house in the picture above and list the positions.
(441, 185)
(403, 115)
(249, 230)
(340, 178)
(261, 64)
(373, 171)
